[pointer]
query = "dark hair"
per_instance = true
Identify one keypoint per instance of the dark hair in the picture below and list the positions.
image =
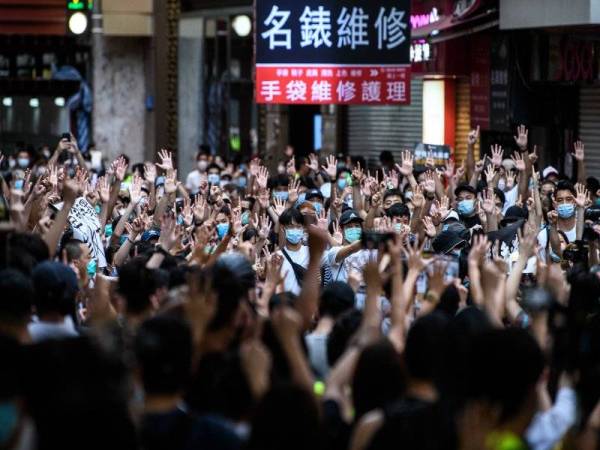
(424, 344)
(249, 233)
(398, 210)
(336, 298)
(137, 283)
(592, 185)
(298, 429)
(504, 368)
(291, 215)
(213, 166)
(25, 251)
(565, 185)
(386, 157)
(16, 298)
(73, 249)
(163, 347)
(345, 326)
(379, 377)
(280, 180)
(391, 193)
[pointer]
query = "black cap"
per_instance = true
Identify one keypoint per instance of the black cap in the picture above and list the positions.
(513, 214)
(349, 216)
(446, 241)
(312, 193)
(464, 187)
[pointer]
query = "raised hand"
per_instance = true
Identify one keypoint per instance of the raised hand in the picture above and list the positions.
(418, 199)
(479, 165)
(497, 155)
(293, 188)
(583, 196)
(135, 189)
(412, 254)
(171, 181)
(120, 168)
(170, 233)
(579, 153)
(522, 137)
(429, 227)
(279, 206)
(510, 180)
(449, 170)
(187, 211)
(330, 167)
(460, 173)
(150, 172)
(337, 235)
(358, 174)
(429, 183)
(490, 173)
(199, 207)
(519, 162)
(322, 222)
(265, 227)
(104, 189)
(473, 136)
(262, 177)
(313, 162)
(166, 160)
(487, 203)
(406, 168)
(479, 249)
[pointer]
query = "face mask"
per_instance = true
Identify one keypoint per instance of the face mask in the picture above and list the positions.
(301, 198)
(46, 154)
(224, 183)
(281, 195)
(12, 163)
(408, 195)
(9, 419)
(98, 209)
(352, 234)
(466, 207)
(23, 162)
(202, 165)
(214, 178)
(241, 182)
(108, 230)
(398, 227)
(318, 208)
(245, 217)
(597, 201)
(294, 236)
(280, 169)
(91, 268)
(501, 184)
(566, 210)
(41, 171)
(19, 184)
(222, 230)
(123, 239)
(341, 183)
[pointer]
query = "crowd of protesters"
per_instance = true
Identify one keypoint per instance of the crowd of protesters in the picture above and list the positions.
(322, 304)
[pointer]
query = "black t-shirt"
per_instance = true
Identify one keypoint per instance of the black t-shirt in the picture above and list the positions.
(471, 221)
(179, 430)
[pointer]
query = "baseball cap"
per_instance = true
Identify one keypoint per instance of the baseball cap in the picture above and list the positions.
(549, 171)
(314, 193)
(446, 241)
(513, 214)
(350, 215)
(150, 234)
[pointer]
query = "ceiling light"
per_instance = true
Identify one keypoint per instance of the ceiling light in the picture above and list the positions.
(34, 102)
(59, 101)
(7, 101)
(78, 23)
(242, 25)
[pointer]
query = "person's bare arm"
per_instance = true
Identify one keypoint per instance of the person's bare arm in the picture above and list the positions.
(579, 156)
(471, 142)
(347, 250)
(526, 248)
(308, 300)
(476, 256)
(52, 237)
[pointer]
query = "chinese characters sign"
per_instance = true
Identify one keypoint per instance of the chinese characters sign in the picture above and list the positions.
(333, 51)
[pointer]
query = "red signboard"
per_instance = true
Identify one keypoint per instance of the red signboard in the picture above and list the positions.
(340, 84)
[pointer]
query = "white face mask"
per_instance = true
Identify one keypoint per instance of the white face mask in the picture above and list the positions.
(202, 165)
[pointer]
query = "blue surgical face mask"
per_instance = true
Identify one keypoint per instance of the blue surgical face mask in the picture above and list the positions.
(341, 183)
(398, 227)
(108, 230)
(92, 266)
(222, 230)
(408, 195)
(98, 209)
(293, 235)
(245, 217)
(352, 234)
(466, 207)
(123, 239)
(566, 210)
(214, 178)
(9, 419)
(318, 208)
(19, 184)
(241, 182)
(281, 195)
(23, 163)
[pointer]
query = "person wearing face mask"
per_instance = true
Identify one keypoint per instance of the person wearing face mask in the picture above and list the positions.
(391, 197)
(400, 215)
(466, 197)
(562, 218)
(194, 178)
(214, 175)
(223, 223)
(23, 160)
(350, 255)
(295, 255)
(315, 197)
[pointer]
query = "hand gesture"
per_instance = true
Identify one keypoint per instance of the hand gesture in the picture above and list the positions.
(553, 217)
(533, 156)
(313, 162)
(460, 173)
(473, 136)
(527, 244)
(171, 182)
(199, 208)
(358, 174)
(406, 169)
(487, 203)
(510, 180)
(279, 206)
(263, 198)
(330, 167)
(443, 207)
(418, 199)
(583, 196)
(522, 137)
(317, 241)
(150, 172)
(479, 249)
(437, 278)
(293, 188)
(519, 162)
(449, 170)
(120, 168)
(429, 227)
(497, 155)
(322, 222)
(337, 235)
(490, 173)
(170, 233)
(412, 254)
(187, 211)
(166, 160)
(429, 183)
(274, 276)
(262, 177)
(479, 166)
(579, 153)
(104, 189)
(135, 190)
(265, 227)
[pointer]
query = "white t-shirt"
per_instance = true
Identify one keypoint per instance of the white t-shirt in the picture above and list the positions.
(543, 238)
(300, 257)
(192, 182)
(355, 262)
(511, 198)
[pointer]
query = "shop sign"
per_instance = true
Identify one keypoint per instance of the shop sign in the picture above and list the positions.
(420, 51)
(422, 20)
(333, 52)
